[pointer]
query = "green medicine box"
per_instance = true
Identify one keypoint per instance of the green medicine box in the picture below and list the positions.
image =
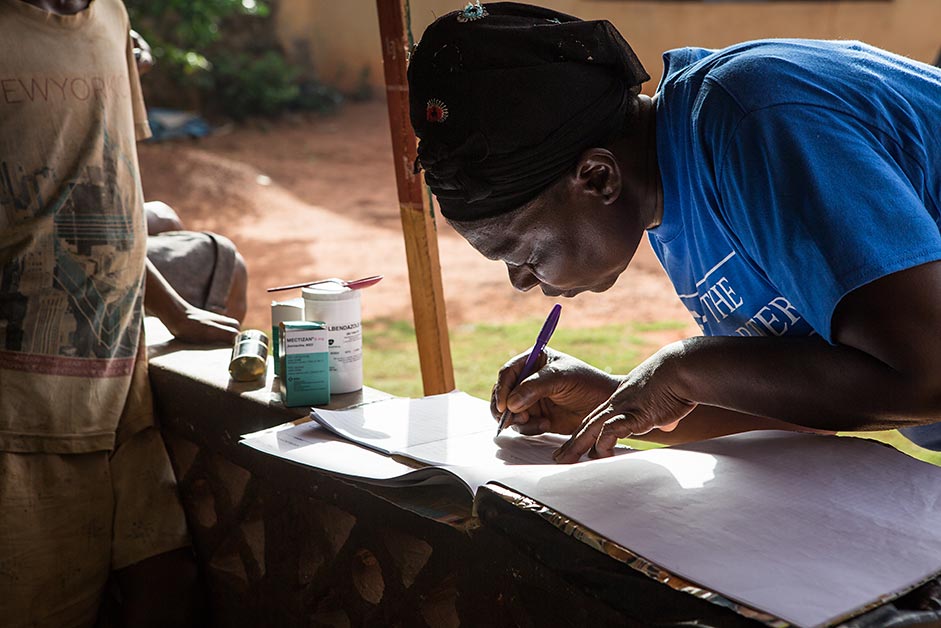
(305, 369)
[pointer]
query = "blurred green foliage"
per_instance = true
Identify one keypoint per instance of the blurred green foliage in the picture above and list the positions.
(221, 57)
(250, 84)
(179, 31)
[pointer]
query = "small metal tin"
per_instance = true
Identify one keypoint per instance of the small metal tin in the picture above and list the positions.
(249, 355)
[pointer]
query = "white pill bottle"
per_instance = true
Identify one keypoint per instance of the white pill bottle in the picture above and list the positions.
(341, 310)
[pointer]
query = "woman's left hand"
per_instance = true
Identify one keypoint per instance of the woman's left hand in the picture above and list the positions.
(646, 399)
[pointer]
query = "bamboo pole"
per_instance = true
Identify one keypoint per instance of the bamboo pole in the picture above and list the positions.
(418, 223)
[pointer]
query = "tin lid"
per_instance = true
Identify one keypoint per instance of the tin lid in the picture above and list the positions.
(251, 335)
(329, 292)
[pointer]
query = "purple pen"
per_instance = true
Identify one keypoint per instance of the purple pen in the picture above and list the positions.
(541, 341)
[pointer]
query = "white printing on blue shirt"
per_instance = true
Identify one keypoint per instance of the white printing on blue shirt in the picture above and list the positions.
(793, 173)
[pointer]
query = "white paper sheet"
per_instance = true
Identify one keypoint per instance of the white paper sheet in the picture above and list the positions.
(472, 454)
(312, 445)
(453, 429)
(807, 528)
(396, 426)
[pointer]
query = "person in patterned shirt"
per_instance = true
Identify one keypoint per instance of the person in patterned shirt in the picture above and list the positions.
(85, 481)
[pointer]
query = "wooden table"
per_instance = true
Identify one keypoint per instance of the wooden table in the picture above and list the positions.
(286, 545)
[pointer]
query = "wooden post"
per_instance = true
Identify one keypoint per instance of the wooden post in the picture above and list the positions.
(418, 223)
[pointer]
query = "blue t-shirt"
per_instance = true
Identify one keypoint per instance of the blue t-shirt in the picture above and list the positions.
(794, 172)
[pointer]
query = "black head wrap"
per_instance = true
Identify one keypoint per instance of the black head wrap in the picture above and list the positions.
(505, 97)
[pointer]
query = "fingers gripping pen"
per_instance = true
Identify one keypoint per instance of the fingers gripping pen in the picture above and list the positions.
(541, 341)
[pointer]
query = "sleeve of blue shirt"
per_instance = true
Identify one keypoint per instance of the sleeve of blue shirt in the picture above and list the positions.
(822, 202)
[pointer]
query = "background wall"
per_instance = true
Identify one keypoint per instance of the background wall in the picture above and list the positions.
(339, 41)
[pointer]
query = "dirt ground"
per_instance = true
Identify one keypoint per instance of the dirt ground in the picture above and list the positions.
(314, 196)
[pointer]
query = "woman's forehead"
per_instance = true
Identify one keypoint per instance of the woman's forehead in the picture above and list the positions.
(510, 235)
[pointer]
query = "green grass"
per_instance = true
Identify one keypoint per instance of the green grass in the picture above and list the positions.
(896, 440)
(478, 351)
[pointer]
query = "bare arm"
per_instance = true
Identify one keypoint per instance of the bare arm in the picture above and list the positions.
(885, 371)
(186, 322)
(565, 390)
(706, 422)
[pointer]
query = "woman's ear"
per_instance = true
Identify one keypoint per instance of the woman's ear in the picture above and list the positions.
(598, 174)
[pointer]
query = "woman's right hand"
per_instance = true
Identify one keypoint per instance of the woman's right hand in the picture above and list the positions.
(556, 398)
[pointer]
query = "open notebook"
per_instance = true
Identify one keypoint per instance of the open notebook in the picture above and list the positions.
(810, 529)
(448, 438)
